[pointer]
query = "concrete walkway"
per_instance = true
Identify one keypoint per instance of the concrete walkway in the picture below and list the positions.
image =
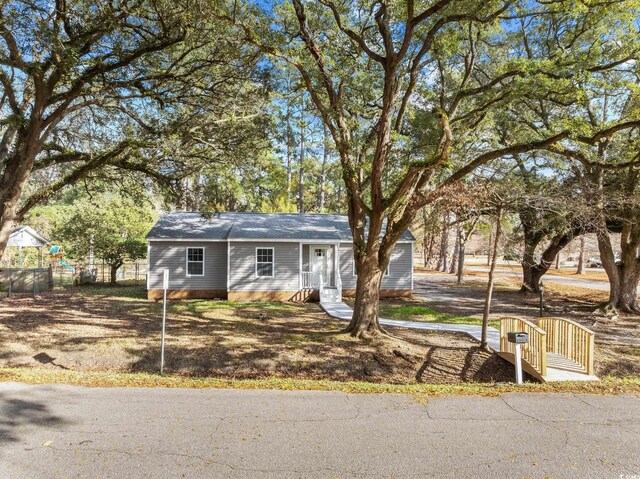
(341, 311)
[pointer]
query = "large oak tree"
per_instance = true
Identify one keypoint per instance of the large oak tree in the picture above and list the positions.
(141, 86)
(409, 92)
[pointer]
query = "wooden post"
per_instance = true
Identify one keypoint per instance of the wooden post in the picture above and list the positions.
(590, 353)
(543, 354)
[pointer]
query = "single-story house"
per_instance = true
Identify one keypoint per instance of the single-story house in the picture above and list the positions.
(263, 256)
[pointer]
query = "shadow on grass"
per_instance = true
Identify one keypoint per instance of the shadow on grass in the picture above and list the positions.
(455, 364)
(115, 329)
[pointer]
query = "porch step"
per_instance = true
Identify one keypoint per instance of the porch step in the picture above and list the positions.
(330, 295)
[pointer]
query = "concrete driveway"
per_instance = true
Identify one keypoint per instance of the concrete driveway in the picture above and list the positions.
(68, 432)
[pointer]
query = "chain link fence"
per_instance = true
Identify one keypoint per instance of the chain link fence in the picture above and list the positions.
(61, 276)
(129, 273)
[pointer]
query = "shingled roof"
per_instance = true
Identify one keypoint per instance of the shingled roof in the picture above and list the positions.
(253, 226)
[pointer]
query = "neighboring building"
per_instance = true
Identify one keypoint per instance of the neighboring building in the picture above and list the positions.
(26, 237)
(261, 256)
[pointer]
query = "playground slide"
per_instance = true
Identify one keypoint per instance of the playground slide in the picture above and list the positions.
(66, 265)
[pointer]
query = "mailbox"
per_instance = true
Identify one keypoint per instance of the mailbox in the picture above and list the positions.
(519, 337)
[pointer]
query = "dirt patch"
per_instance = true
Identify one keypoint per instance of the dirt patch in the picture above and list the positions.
(117, 330)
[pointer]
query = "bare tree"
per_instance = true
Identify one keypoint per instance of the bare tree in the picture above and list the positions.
(489, 294)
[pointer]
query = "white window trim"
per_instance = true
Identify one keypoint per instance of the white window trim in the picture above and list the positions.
(186, 261)
(273, 262)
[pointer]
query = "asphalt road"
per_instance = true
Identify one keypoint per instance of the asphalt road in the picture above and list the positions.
(68, 432)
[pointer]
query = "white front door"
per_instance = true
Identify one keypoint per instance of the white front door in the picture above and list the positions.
(318, 263)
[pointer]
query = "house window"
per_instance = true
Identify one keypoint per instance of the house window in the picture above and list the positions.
(195, 261)
(264, 262)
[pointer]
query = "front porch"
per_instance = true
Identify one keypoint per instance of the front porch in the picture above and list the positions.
(320, 271)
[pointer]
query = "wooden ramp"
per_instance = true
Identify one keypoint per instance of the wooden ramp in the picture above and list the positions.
(558, 349)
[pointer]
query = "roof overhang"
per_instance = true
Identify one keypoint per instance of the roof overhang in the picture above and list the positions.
(26, 236)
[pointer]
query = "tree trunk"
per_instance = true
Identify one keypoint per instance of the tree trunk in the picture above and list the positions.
(432, 244)
(623, 292)
(623, 275)
(323, 171)
(301, 165)
(580, 269)
(465, 234)
(7, 224)
(558, 261)
(492, 270)
(364, 321)
(531, 276)
(444, 244)
(288, 136)
(425, 236)
(461, 254)
(533, 272)
(456, 250)
(425, 248)
(14, 178)
(490, 245)
(114, 273)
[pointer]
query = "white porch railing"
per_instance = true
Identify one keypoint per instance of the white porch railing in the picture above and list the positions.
(313, 280)
(310, 280)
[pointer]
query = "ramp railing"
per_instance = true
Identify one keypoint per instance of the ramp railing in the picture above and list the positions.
(535, 351)
(570, 339)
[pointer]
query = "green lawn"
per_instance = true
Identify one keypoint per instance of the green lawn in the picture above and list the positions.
(416, 312)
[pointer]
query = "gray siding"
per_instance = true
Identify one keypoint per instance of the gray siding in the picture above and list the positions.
(242, 266)
(173, 255)
(399, 268)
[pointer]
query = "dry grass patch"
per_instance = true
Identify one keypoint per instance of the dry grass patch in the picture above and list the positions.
(608, 385)
(588, 274)
(116, 330)
(585, 295)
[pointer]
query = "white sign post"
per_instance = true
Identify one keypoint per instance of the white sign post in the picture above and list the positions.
(165, 286)
(518, 363)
